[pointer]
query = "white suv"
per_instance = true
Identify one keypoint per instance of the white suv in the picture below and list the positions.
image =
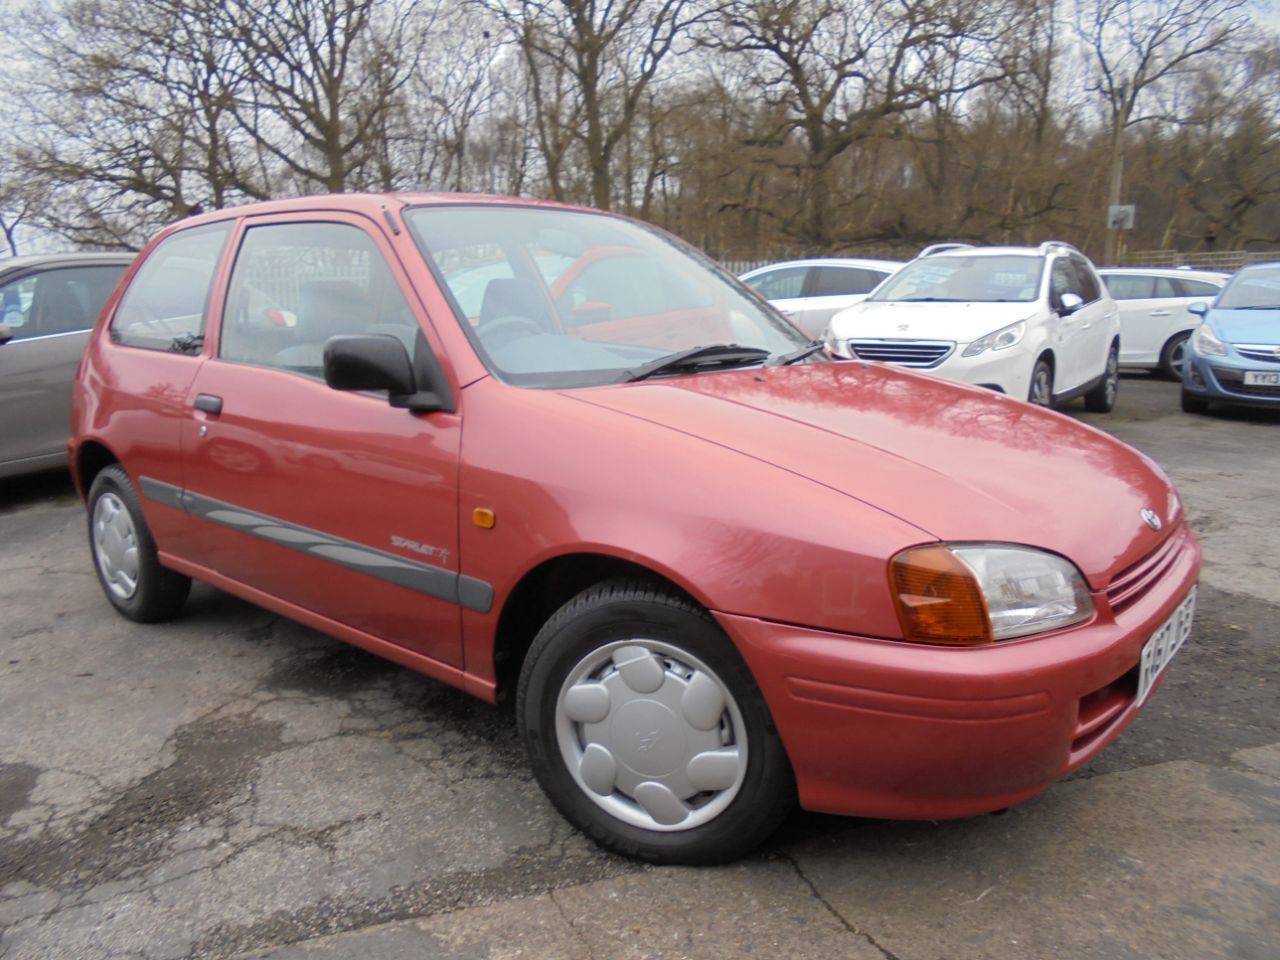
(1033, 322)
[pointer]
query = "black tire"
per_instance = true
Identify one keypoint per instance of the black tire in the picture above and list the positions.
(139, 588)
(1040, 392)
(1102, 398)
(625, 614)
(1173, 354)
(1193, 404)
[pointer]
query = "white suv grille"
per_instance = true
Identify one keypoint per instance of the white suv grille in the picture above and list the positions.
(907, 353)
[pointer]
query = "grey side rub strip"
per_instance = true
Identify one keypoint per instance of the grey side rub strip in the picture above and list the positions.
(435, 582)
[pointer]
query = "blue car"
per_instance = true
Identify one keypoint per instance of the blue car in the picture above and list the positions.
(1235, 352)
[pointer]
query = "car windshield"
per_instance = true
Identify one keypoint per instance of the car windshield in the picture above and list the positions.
(1254, 288)
(562, 298)
(1009, 278)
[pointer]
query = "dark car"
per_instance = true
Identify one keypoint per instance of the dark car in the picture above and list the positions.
(49, 305)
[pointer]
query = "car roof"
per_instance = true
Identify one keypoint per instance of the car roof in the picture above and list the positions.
(890, 265)
(1175, 272)
(986, 252)
(12, 264)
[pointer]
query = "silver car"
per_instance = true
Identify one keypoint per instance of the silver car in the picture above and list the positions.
(48, 305)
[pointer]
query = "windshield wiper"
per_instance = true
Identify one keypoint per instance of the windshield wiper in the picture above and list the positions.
(795, 356)
(931, 300)
(1257, 306)
(708, 355)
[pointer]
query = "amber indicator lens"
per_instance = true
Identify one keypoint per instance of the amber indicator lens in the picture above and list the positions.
(483, 518)
(939, 599)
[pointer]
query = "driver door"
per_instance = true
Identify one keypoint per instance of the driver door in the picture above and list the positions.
(333, 501)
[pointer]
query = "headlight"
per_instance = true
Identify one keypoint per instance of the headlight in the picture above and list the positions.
(974, 593)
(835, 346)
(1001, 339)
(1205, 343)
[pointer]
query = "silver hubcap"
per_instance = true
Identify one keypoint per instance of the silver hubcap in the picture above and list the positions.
(1176, 356)
(651, 735)
(1113, 377)
(115, 546)
(1040, 387)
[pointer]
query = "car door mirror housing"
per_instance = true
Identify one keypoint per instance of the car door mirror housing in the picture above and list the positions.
(1199, 309)
(1069, 303)
(378, 362)
(6, 333)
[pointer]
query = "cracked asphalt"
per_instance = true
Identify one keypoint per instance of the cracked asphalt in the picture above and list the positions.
(233, 784)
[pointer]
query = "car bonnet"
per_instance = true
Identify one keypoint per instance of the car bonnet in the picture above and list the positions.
(960, 462)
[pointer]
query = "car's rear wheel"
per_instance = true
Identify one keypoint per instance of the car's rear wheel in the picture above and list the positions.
(124, 553)
(1173, 355)
(1102, 398)
(1041, 392)
(647, 731)
(1193, 404)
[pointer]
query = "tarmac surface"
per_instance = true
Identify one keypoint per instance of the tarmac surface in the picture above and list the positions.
(233, 784)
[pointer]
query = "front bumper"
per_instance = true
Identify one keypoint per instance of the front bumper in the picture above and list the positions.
(881, 728)
(1222, 378)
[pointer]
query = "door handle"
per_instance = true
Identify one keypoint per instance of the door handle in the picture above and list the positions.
(209, 403)
(1159, 313)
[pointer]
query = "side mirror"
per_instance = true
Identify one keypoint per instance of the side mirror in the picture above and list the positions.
(1069, 303)
(377, 362)
(1198, 308)
(6, 333)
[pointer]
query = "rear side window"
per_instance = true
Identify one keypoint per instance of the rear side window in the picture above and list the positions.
(65, 300)
(842, 281)
(167, 302)
(1197, 288)
(784, 284)
(1141, 286)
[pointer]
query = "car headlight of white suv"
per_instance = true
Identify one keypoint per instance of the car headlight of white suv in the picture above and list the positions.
(835, 346)
(1001, 339)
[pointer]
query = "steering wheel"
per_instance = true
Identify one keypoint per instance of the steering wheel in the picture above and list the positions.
(501, 330)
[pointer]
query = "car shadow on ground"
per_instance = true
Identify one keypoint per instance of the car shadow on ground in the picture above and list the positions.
(28, 490)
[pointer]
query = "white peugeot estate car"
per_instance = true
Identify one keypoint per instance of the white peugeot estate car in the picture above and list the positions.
(1033, 322)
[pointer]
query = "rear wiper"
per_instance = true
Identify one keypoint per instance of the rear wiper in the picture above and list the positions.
(708, 355)
(795, 356)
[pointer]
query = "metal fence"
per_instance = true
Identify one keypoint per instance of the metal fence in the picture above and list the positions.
(1225, 260)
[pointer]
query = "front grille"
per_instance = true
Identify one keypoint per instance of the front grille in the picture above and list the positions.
(1131, 585)
(1266, 352)
(1232, 381)
(907, 353)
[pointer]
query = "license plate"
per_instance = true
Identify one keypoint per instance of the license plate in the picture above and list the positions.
(1164, 643)
(1261, 378)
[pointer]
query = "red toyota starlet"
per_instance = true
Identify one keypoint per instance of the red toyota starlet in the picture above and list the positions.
(550, 454)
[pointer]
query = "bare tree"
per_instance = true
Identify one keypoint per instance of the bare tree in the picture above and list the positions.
(590, 66)
(320, 78)
(1136, 48)
(842, 73)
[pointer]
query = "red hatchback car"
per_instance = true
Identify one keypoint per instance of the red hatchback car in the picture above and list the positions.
(552, 454)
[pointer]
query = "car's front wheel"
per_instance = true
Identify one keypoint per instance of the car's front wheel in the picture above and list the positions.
(124, 553)
(1102, 398)
(646, 729)
(1041, 391)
